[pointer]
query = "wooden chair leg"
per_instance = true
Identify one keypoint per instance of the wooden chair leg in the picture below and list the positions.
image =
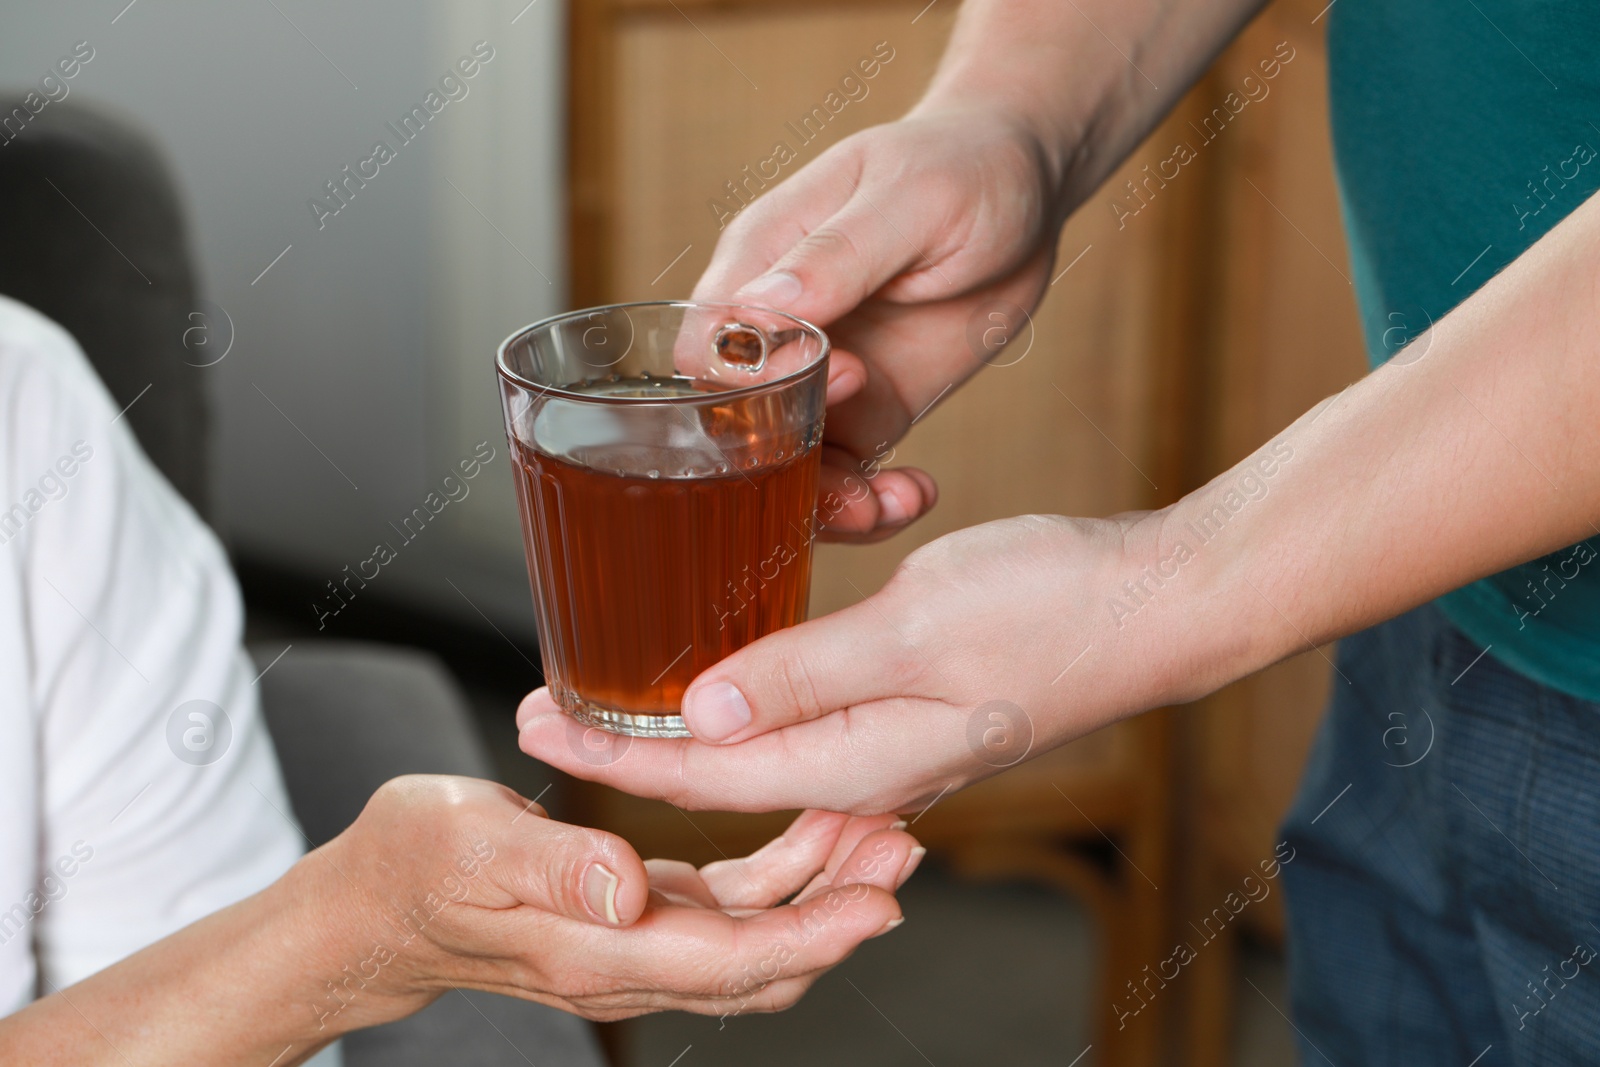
(1210, 1002)
(1137, 1027)
(1138, 1004)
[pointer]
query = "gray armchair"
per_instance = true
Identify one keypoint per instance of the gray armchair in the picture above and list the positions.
(345, 716)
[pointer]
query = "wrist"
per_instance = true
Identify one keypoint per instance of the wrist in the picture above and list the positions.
(1197, 619)
(1067, 93)
(1170, 605)
(1205, 570)
(339, 976)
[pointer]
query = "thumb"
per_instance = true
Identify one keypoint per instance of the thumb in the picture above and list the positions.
(588, 875)
(838, 264)
(801, 673)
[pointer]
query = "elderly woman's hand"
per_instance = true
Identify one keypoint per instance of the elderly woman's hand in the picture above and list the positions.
(450, 883)
(453, 882)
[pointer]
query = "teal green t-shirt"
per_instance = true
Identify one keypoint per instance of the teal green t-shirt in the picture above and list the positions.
(1464, 130)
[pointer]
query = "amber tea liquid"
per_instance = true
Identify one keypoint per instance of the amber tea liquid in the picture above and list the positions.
(652, 561)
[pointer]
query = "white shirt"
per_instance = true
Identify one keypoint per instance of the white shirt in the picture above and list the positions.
(117, 610)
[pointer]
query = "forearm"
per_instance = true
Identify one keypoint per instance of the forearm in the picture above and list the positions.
(1475, 449)
(239, 986)
(1089, 78)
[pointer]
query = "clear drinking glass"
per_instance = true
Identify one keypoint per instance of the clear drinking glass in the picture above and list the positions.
(666, 466)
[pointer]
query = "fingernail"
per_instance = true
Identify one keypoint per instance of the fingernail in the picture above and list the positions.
(890, 510)
(912, 862)
(899, 824)
(600, 892)
(777, 289)
(716, 712)
(890, 925)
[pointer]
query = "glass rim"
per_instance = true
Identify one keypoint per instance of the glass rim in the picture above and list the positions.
(738, 392)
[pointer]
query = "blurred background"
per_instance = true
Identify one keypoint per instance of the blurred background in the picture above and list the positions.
(361, 362)
(341, 331)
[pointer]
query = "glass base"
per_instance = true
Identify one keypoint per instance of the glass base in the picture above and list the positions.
(630, 724)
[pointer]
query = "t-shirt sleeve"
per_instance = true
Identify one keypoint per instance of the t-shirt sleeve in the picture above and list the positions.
(159, 792)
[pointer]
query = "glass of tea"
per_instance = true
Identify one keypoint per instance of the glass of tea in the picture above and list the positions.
(666, 464)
